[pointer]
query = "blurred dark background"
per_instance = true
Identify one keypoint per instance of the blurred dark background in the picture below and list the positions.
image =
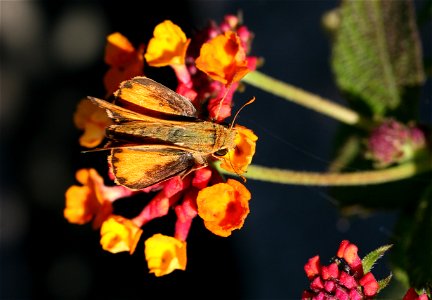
(52, 56)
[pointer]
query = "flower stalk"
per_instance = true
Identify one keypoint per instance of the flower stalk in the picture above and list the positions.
(281, 176)
(307, 99)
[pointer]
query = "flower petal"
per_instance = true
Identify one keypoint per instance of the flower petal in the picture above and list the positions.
(223, 58)
(119, 234)
(93, 120)
(224, 206)
(241, 156)
(168, 45)
(165, 254)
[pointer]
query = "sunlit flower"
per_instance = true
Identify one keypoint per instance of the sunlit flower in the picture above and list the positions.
(223, 58)
(224, 206)
(164, 254)
(119, 234)
(238, 159)
(93, 120)
(168, 45)
(92, 200)
(124, 60)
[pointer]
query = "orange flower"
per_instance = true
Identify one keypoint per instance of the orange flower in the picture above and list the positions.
(223, 58)
(93, 120)
(224, 206)
(125, 62)
(119, 234)
(165, 254)
(92, 200)
(241, 156)
(168, 45)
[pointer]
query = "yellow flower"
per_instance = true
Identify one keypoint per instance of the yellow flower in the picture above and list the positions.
(165, 254)
(168, 45)
(224, 206)
(93, 120)
(241, 156)
(124, 60)
(119, 234)
(223, 58)
(83, 203)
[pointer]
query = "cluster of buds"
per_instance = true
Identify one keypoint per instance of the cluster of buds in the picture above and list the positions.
(342, 279)
(208, 69)
(393, 142)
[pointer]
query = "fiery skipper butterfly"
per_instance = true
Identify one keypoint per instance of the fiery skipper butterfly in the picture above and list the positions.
(157, 134)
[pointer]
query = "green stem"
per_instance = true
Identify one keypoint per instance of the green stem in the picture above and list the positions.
(307, 99)
(275, 175)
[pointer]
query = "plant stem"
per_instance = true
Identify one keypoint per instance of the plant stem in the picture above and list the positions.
(275, 175)
(307, 99)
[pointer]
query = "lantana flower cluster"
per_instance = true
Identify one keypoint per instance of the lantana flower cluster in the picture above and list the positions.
(208, 68)
(394, 142)
(342, 279)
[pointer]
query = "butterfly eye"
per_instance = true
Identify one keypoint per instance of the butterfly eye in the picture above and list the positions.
(221, 152)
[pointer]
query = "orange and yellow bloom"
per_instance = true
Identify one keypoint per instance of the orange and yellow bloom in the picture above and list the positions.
(238, 159)
(93, 120)
(168, 45)
(210, 82)
(164, 254)
(124, 60)
(224, 206)
(223, 58)
(92, 200)
(119, 234)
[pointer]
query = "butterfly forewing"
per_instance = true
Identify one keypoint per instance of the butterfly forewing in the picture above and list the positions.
(141, 166)
(142, 93)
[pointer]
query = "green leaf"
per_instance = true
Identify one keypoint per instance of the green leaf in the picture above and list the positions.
(376, 54)
(384, 282)
(371, 258)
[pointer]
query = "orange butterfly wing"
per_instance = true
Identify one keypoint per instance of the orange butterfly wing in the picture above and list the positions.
(145, 95)
(138, 167)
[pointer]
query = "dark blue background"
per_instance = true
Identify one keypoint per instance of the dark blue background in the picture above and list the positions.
(52, 56)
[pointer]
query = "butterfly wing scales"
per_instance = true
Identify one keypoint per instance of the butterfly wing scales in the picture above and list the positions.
(145, 93)
(141, 166)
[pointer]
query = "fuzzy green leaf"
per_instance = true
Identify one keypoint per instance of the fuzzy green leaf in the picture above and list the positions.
(384, 282)
(371, 258)
(376, 54)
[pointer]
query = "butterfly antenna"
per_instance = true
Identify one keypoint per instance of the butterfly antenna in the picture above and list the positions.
(243, 106)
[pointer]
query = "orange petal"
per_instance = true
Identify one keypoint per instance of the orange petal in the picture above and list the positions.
(90, 201)
(165, 254)
(224, 206)
(93, 120)
(76, 210)
(241, 156)
(223, 58)
(168, 45)
(119, 234)
(118, 50)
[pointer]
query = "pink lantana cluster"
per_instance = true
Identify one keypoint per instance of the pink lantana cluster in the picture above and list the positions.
(342, 279)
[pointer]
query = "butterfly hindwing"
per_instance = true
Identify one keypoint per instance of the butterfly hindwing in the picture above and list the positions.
(141, 166)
